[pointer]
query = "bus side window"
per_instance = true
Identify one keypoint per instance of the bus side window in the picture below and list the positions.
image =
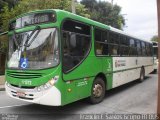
(98, 42)
(101, 42)
(139, 48)
(152, 50)
(148, 49)
(105, 50)
(99, 48)
(113, 43)
(124, 49)
(132, 49)
(113, 49)
(143, 48)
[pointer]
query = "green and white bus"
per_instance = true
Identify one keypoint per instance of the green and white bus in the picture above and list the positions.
(56, 57)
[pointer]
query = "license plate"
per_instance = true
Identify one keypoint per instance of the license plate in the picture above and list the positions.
(20, 94)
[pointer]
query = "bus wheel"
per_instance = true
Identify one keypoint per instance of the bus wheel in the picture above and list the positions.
(98, 91)
(142, 75)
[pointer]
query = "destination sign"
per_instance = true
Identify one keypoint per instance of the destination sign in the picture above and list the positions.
(31, 19)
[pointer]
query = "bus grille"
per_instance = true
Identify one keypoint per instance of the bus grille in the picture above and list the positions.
(24, 87)
(24, 75)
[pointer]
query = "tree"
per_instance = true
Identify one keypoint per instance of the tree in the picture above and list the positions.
(24, 6)
(82, 11)
(104, 12)
(3, 3)
(154, 38)
(3, 43)
(10, 3)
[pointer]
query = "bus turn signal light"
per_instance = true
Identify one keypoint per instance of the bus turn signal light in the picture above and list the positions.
(53, 80)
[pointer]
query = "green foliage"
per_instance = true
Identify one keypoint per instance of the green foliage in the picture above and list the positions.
(154, 38)
(24, 6)
(81, 10)
(104, 12)
(3, 3)
(3, 43)
(10, 3)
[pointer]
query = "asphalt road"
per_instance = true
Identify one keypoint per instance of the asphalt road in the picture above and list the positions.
(132, 98)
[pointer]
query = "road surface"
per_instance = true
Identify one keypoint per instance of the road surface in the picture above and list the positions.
(132, 98)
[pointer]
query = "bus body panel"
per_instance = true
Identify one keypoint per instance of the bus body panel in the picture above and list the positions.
(51, 97)
(127, 69)
(33, 77)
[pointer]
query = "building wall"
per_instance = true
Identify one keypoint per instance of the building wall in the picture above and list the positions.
(2, 80)
(2, 68)
(3, 52)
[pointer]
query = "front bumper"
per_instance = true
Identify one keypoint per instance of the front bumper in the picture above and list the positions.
(51, 97)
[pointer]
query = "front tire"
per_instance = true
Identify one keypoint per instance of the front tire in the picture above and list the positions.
(97, 91)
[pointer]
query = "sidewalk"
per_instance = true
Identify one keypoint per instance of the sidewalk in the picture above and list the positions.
(2, 82)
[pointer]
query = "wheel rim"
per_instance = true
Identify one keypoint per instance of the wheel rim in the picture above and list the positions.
(97, 90)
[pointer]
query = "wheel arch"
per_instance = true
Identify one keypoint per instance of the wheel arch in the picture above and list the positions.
(103, 76)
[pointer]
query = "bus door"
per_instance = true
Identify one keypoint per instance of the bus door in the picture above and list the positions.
(76, 40)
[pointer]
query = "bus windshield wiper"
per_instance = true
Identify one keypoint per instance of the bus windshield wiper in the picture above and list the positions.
(34, 37)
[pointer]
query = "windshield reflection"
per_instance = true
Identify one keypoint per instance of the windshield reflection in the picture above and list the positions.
(37, 52)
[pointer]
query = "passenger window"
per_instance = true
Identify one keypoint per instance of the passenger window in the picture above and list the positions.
(148, 49)
(101, 42)
(113, 38)
(143, 48)
(113, 43)
(139, 49)
(124, 46)
(113, 50)
(132, 49)
(151, 50)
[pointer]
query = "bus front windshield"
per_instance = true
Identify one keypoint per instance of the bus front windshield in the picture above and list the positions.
(36, 49)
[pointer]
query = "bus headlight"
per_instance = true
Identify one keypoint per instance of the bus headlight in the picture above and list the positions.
(7, 84)
(39, 89)
(48, 85)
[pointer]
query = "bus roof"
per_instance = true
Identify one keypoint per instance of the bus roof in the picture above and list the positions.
(97, 24)
(124, 33)
(80, 18)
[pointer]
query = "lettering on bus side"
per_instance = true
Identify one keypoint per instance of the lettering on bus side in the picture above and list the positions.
(109, 68)
(82, 83)
(120, 63)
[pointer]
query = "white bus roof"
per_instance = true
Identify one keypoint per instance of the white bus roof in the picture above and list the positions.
(124, 33)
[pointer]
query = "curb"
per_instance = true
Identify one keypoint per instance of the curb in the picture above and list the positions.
(2, 89)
